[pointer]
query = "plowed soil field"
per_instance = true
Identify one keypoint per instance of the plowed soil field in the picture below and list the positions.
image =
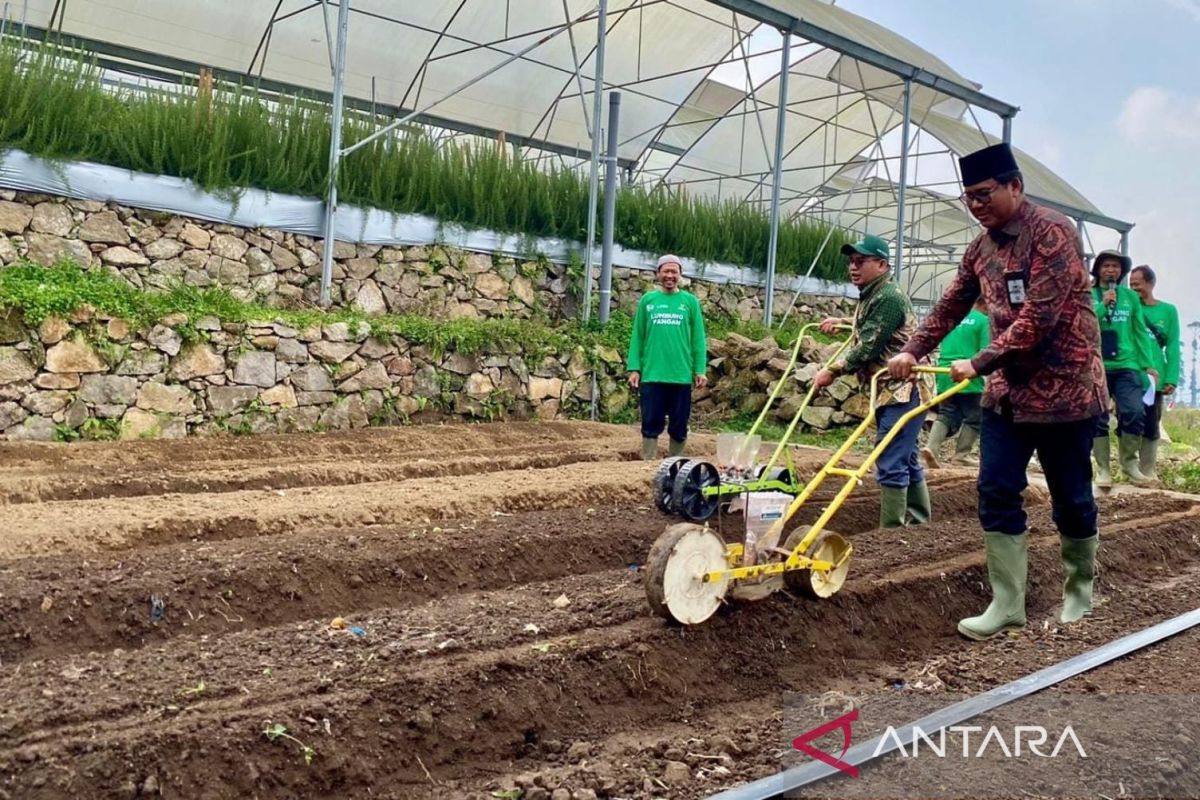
(166, 610)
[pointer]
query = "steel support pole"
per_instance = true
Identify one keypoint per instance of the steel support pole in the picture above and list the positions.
(610, 205)
(904, 134)
(335, 152)
(1124, 243)
(1007, 130)
(780, 130)
(594, 187)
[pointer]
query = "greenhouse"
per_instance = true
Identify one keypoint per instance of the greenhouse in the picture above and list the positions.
(866, 145)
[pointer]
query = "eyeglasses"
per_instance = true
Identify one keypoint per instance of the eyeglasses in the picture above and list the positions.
(858, 261)
(979, 196)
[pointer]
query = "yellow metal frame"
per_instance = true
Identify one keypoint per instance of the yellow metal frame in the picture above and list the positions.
(726, 489)
(812, 390)
(853, 477)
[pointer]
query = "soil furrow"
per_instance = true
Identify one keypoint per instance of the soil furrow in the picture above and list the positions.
(489, 705)
(101, 601)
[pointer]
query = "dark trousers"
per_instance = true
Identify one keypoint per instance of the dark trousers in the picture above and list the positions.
(959, 410)
(899, 465)
(665, 401)
(1064, 450)
(1125, 388)
(1153, 417)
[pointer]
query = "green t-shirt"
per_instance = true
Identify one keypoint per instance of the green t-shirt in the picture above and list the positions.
(1125, 320)
(965, 341)
(1163, 320)
(668, 344)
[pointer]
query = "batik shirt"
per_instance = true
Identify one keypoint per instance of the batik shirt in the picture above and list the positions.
(1044, 358)
(883, 323)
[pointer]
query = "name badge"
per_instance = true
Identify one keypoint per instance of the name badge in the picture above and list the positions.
(1016, 287)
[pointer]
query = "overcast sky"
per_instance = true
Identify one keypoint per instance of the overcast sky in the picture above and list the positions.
(1109, 92)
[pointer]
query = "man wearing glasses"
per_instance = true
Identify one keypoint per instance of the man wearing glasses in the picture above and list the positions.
(883, 322)
(1046, 386)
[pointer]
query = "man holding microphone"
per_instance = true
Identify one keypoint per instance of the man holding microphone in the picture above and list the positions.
(1128, 359)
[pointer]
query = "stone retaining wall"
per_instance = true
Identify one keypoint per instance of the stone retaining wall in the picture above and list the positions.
(151, 249)
(92, 377)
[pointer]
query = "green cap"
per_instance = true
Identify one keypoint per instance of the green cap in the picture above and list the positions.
(869, 246)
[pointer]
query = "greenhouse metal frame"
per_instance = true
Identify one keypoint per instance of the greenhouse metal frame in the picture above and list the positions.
(797, 106)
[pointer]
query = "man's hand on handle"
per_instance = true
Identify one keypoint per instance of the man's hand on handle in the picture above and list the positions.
(635, 380)
(901, 366)
(962, 370)
(824, 378)
(831, 324)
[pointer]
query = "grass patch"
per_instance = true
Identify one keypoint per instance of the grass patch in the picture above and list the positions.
(1183, 426)
(41, 292)
(52, 105)
(1180, 476)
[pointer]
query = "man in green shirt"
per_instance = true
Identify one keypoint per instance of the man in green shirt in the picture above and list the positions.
(1163, 321)
(1125, 345)
(960, 413)
(883, 323)
(668, 355)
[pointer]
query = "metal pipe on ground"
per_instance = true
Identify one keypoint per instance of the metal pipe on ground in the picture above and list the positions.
(792, 779)
(610, 205)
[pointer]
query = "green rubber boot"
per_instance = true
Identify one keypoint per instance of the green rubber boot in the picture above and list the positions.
(1079, 567)
(1148, 458)
(893, 504)
(1129, 447)
(967, 437)
(937, 435)
(649, 449)
(919, 506)
(1008, 567)
(1102, 454)
(675, 448)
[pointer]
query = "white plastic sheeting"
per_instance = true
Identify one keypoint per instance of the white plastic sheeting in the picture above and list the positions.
(253, 208)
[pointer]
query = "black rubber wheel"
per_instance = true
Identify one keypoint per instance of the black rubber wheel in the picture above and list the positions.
(781, 474)
(688, 497)
(664, 483)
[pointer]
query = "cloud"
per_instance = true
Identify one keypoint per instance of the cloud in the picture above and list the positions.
(1153, 116)
(1162, 239)
(1191, 7)
(1043, 142)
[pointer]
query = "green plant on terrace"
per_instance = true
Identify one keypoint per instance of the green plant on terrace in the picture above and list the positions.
(53, 105)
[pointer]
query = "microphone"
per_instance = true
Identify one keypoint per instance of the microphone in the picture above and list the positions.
(1111, 285)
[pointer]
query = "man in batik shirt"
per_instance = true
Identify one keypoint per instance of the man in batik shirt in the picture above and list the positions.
(1045, 387)
(882, 324)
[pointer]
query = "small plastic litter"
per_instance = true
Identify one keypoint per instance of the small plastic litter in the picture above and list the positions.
(357, 631)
